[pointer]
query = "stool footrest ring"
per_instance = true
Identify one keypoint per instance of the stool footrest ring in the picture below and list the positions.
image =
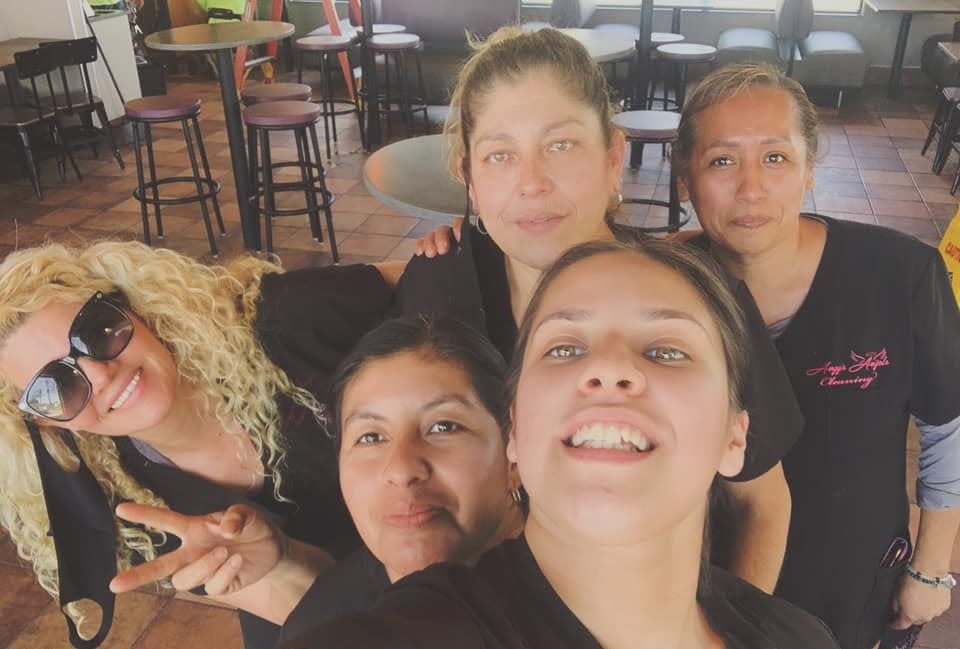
(213, 188)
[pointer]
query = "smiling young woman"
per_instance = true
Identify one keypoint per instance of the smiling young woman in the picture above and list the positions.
(618, 468)
(134, 374)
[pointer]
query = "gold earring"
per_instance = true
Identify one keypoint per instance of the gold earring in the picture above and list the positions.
(480, 227)
(616, 200)
(516, 496)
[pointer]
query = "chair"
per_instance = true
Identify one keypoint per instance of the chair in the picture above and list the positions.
(300, 117)
(572, 13)
(76, 99)
(653, 127)
(828, 59)
(165, 109)
(329, 49)
(31, 65)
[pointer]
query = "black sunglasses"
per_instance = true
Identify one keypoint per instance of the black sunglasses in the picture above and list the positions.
(60, 390)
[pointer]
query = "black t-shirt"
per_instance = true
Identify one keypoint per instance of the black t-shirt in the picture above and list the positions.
(877, 339)
(307, 321)
(506, 602)
(353, 585)
(470, 283)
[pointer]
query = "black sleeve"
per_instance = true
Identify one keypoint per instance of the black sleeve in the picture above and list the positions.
(353, 585)
(775, 418)
(446, 284)
(936, 359)
(308, 319)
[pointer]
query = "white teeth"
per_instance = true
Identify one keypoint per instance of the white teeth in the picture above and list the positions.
(610, 436)
(127, 391)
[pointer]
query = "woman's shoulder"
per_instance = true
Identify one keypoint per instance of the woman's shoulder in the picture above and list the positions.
(758, 619)
(875, 243)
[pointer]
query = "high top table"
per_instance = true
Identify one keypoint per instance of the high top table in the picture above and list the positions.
(411, 175)
(222, 38)
(906, 9)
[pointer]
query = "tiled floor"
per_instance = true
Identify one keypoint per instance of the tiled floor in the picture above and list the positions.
(871, 170)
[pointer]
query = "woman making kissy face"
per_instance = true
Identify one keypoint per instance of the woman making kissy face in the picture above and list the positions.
(618, 467)
(422, 469)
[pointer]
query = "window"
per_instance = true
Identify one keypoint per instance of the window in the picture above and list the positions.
(825, 6)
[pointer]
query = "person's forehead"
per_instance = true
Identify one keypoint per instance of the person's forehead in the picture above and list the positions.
(762, 111)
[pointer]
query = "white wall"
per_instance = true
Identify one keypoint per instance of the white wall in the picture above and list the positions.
(64, 19)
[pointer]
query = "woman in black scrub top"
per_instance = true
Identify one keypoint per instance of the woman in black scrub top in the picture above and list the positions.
(532, 138)
(869, 332)
(618, 467)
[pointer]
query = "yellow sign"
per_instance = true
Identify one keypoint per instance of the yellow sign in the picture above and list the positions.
(950, 249)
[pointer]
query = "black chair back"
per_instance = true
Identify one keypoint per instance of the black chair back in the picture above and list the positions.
(72, 58)
(32, 65)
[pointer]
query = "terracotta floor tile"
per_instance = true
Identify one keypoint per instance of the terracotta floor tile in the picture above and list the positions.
(887, 177)
(865, 130)
(66, 216)
(134, 613)
(345, 221)
(834, 174)
(852, 216)
(828, 204)
(184, 624)
(881, 164)
(846, 189)
(368, 244)
(894, 192)
(387, 224)
(21, 599)
(404, 249)
(941, 181)
(909, 209)
(923, 229)
(938, 195)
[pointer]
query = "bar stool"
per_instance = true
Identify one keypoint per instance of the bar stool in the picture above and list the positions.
(949, 99)
(656, 40)
(681, 55)
(653, 127)
(265, 92)
(161, 110)
(328, 48)
(300, 117)
(398, 46)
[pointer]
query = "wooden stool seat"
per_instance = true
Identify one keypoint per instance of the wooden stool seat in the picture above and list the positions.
(269, 92)
(393, 42)
(162, 107)
(653, 126)
(326, 43)
(281, 114)
(687, 52)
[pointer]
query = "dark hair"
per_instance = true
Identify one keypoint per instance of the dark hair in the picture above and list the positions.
(696, 268)
(440, 337)
(729, 81)
(701, 272)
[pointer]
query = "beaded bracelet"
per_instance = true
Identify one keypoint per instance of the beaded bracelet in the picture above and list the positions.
(948, 581)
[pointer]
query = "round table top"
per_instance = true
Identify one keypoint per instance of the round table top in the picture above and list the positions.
(604, 46)
(218, 36)
(411, 176)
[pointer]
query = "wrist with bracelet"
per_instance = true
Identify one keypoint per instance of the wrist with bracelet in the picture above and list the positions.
(947, 581)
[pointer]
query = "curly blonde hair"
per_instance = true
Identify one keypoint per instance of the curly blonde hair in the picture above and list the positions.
(202, 314)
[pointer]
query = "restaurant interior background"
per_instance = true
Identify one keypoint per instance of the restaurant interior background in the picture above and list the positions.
(872, 171)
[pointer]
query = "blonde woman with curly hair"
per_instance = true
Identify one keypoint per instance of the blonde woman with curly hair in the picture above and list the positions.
(134, 374)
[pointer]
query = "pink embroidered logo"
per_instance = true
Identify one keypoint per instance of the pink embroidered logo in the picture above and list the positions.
(861, 371)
